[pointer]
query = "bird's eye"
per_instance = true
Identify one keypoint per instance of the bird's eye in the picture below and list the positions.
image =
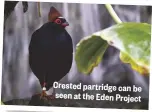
(58, 21)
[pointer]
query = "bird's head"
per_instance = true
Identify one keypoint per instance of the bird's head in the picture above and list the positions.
(61, 21)
(55, 17)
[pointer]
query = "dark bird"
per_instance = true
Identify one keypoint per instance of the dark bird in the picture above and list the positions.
(51, 51)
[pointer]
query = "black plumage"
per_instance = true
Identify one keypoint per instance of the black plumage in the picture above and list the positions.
(51, 51)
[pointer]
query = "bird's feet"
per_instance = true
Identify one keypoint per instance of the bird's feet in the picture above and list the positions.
(45, 96)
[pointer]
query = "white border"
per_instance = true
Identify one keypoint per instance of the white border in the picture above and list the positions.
(1, 39)
(150, 79)
(69, 109)
(66, 109)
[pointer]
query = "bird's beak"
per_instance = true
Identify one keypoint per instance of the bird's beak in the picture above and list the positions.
(65, 24)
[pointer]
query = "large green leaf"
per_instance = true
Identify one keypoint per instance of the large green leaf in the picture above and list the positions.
(132, 39)
(89, 53)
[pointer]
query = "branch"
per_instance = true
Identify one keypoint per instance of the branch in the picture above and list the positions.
(35, 101)
(113, 13)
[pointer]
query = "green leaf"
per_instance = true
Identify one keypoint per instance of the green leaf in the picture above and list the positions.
(132, 39)
(89, 53)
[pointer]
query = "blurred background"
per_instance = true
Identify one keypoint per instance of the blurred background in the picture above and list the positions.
(18, 81)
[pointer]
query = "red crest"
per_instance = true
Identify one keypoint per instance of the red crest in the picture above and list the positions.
(53, 14)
